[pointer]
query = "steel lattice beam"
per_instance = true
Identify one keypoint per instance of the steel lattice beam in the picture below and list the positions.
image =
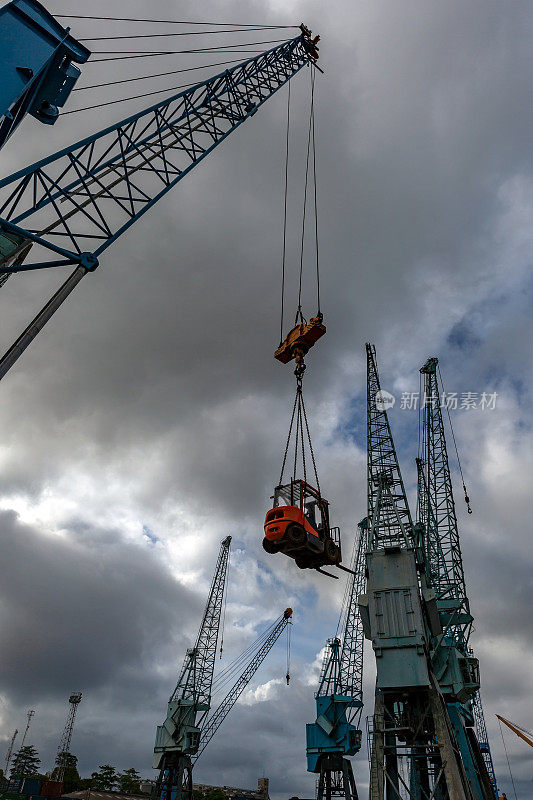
(81, 199)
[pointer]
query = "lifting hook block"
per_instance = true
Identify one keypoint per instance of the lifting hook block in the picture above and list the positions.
(298, 342)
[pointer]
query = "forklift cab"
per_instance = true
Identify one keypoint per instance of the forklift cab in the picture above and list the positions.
(298, 526)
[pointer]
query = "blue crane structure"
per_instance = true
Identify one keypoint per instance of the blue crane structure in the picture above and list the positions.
(67, 209)
(179, 736)
(36, 55)
(416, 613)
(336, 732)
(189, 726)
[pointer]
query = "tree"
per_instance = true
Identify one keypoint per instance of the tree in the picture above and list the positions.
(26, 762)
(129, 781)
(71, 776)
(105, 779)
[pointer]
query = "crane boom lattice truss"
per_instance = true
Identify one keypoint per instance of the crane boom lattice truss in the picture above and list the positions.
(386, 492)
(178, 738)
(63, 751)
(215, 720)
(415, 611)
(68, 208)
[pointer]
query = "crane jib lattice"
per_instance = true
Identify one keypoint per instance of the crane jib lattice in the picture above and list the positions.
(76, 203)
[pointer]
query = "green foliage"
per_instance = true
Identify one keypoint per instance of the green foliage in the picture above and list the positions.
(215, 794)
(71, 777)
(129, 781)
(26, 762)
(106, 779)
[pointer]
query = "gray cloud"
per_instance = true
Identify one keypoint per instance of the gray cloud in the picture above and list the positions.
(152, 398)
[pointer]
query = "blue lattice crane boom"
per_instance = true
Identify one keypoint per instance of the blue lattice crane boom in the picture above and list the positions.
(335, 733)
(258, 655)
(179, 736)
(389, 516)
(68, 208)
(453, 660)
(414, 604)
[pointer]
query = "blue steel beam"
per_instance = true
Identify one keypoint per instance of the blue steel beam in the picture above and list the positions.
(85, 196)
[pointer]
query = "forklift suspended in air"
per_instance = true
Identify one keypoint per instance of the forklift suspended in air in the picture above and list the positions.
(298, 526)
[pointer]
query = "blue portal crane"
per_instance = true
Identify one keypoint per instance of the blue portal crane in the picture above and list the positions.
(336, 732)
(68, 208)
(416, 612)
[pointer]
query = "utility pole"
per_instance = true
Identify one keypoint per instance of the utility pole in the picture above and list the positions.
(63, 750)
(10, 752)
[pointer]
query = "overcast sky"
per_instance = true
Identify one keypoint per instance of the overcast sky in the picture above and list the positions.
(148, 419)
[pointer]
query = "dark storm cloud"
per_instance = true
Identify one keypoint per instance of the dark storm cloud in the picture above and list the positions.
(152, 397)
(86, 609)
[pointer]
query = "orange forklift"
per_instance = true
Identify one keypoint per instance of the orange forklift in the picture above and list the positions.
(298, 526)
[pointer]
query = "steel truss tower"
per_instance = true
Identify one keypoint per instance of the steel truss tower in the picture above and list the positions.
(178, 738)
(415, 611)
(63, 751)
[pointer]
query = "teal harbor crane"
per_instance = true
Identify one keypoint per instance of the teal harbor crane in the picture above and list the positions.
(189, 726)
(415, 610)
(336, 733)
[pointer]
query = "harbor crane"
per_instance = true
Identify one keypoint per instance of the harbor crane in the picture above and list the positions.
(68, 208)
(189, 727)
(416, 613)
(178, 738)
(336, 733)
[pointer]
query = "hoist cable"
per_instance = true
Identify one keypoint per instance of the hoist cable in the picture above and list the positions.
(288, 674)
(284, 248)
(311, 446)
(314, 186)
(174, 21)
(467, 499)
(224, 607)
(299, 310)
(176, 33)
(156, 75)
(507, 757)
(288, 440)
(302, 439)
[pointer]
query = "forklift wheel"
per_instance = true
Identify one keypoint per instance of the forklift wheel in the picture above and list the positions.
(270, 547)
(295, 534)
(301, 562)
(331, 551)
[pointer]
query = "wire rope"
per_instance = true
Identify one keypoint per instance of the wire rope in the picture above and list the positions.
(299, 310)
(254, 26)
(156, 75)
(315, 189)
(467, 499)
(507, 757)
(284, 248)
(216, 48)
(131, 97)
(163, 53)
(172, 33)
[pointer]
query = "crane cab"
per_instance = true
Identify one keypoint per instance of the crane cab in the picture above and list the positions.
(298, 526)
